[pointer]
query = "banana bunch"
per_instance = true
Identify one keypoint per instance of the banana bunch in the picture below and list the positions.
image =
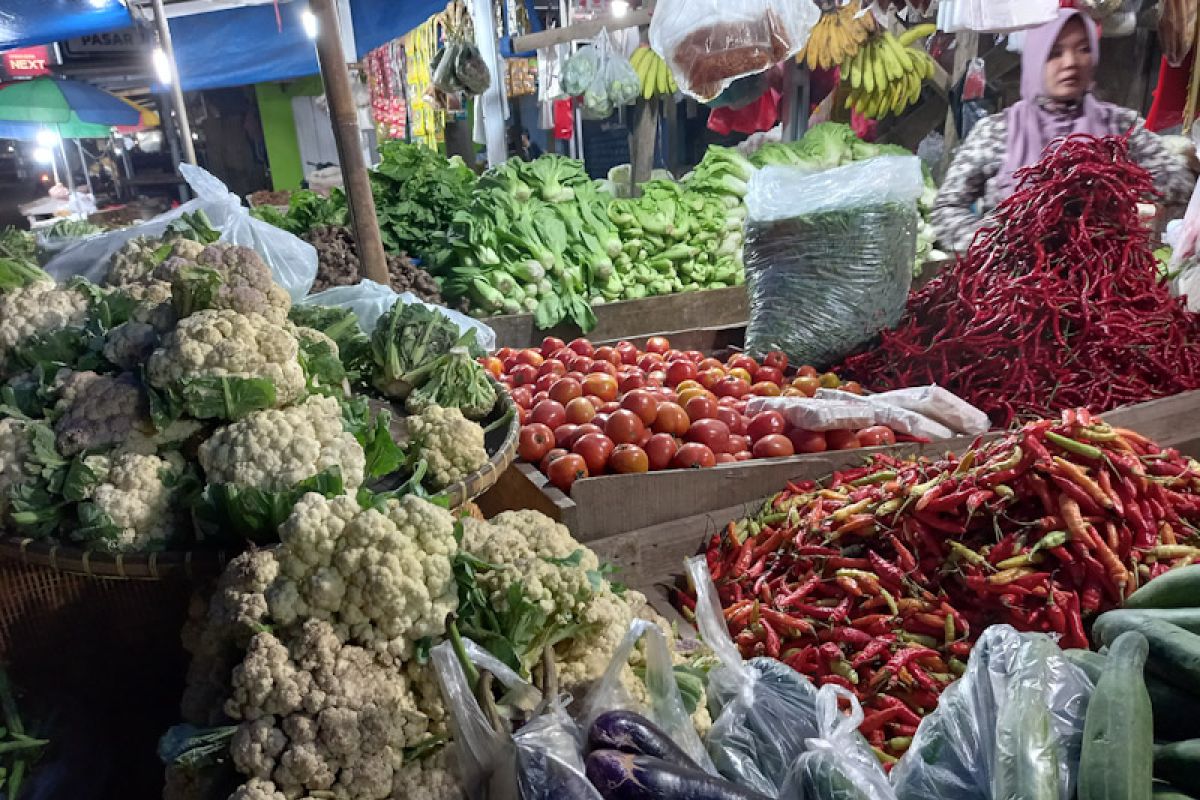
(837, 36)
(653, 72)
(886, 74)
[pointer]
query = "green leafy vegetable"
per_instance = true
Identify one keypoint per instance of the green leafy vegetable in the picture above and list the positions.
(227, 512)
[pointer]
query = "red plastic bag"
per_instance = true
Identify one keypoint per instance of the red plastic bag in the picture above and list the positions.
(760, 115)
(564, 120)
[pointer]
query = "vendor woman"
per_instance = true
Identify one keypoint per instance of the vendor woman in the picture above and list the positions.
(1057, 71)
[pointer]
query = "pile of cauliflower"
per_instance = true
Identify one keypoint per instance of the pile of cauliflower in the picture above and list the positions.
(312, 649)
(180, 385)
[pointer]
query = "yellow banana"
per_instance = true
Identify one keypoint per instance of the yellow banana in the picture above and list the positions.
(916, 32)
(651, 68)
(664, 81)
(638, 56)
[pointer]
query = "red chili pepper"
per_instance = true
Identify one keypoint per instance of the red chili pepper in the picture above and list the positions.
(794, 626)
(872, 651)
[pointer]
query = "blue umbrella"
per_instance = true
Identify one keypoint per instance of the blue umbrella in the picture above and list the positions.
(60, 100)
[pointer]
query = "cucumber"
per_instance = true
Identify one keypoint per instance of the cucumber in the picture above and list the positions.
(1179, 588)
(1164, 792)
(1179, 764)
(1174, 653)
(1186, 618)
(1118, 734)
(1176, 713)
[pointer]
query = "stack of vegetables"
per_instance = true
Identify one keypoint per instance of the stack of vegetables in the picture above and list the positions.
(188, 390)
(681, 236)
(1057, 304)
(338, 264)
(306, 211)
(833, 144)
(881, 580)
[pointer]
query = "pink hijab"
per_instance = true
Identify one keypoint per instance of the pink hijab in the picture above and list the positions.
(1030, 126)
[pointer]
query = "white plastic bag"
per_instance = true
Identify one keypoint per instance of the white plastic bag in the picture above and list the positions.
(839, 764)
(812, 414)
(666, 703)
(901, 420)
(293, 262)
(940, 405)
(370, 301)
(994, 16)
(708, 44)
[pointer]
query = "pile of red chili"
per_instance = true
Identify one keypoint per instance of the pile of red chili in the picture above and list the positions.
(1057, 304)
(881, 581)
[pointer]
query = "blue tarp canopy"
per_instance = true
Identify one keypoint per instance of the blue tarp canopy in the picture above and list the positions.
(246, 45)
(28, 22)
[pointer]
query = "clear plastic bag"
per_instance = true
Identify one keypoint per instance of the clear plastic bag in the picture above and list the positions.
(839, 764)
(370, 301)
(1014, 720)
(763, 710)
(709, 44)
(293, 262)
(666, 703)
(940, 405)
(603, 76)
(580, 70)
(829, 255)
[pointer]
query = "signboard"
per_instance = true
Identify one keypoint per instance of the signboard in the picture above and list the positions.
(26, 62)
(126, 40)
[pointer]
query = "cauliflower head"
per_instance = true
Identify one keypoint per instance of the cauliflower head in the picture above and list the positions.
(244, 282)
(431, 778)
(135, 508)
(449, 443)
(137, 259)
(224, 343)
(101, 412)
(40, 307)
(275, 449)
(383, 577)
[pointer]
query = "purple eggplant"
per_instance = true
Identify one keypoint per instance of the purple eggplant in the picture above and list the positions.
(633, 733)
(625, 776)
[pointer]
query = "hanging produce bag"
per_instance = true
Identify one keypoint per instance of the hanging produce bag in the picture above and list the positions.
(708, 44)
(601, 76)
(829, 255)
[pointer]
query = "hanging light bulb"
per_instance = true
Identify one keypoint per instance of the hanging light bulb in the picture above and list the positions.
(619, 8)
(309, 21)
(162, 69)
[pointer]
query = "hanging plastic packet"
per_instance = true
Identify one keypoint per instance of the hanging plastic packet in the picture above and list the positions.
(975, 82)
(580, 70)
(763, 710)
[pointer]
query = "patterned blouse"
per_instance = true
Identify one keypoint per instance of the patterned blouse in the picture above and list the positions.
(971, 178)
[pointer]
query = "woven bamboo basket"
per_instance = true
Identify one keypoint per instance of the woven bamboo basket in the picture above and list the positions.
(501, 443)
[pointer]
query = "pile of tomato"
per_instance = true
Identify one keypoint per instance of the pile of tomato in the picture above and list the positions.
(588, 410)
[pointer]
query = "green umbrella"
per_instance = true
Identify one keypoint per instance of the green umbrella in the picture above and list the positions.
(55, 100)
(72, 129)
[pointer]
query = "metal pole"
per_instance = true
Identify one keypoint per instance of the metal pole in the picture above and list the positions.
(83, 162)
(62, 146)
(164, 41)
(346, 136)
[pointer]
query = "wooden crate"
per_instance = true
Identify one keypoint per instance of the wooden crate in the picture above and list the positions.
(636, 319)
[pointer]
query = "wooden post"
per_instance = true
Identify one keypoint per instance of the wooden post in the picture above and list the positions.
(181, 120)
(796, 100)
(967, 50)
(345, 134)
(642, 139)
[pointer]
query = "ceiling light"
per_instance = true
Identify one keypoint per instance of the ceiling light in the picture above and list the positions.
(309, 21)
(43, 155)
(162, 69)
(619, 8)
(47, 138)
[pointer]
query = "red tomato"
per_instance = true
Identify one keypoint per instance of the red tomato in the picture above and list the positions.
(642, 403)
(536, 440)
(693, 456)
(774, 445)
(595, 449)
(694, 356)
(726, 458)
(776, 359)
(564, 390)
(842, 440)
(807, 371)
(710, 432)
(531, 357)
(727, 402)
(649, 361)
(509, 363)
(743, 455)
(628, 352)
(505, 352)
(582, 346)
(671, 419)
(656, 378)
(580, 411)
(876, 436)
(628, 458)
(563, 354)
(657, 344)
(807, 384)
(575, 376)
(807, 441)
(768, 375)
(738, 444)
(493, 365)
(566, 470)
(853, 387)
(660, 449)
(551, 345)
(584, 430)
(522, 415)
(564, 434)
(764, 389)
(764, 424)
(743, 361)
(732, 419)
(645, 437)
(680, 371)
(630, 381)
(710, 363)
(577, 363)
(552, 366)
(668, 395)
(731, 387)
(709, 378)
(544, 382)
(523, 374)
(602, 385)
(595, 401)
(556, 453)
(600, 420)
(608, 354)
(609, 407)
(700, 407)
(550, 413)
(540, 396)
(522, 396)
(830, 380)
(625, 427)
(604, 367)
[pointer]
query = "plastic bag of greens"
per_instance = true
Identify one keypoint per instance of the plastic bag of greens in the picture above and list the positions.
(829, 255)
(581, 70)
(470, 70)
(540, 761)
(293, 262)
(763, 710)
(624, 86)
(666, 709)
(708, 44)
(839, 764)
(1010, 728)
